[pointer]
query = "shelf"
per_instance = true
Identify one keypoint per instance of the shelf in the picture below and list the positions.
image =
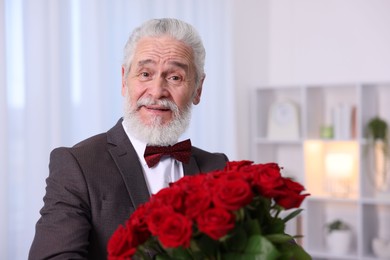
(325, 140)
(332, 199)
(327, 255)
(312, 159)
(376, 201)
(260, 140)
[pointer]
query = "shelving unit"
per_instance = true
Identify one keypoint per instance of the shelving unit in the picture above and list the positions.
(304, 157)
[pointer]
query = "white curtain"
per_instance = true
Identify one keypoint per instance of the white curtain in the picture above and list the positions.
(60, 83)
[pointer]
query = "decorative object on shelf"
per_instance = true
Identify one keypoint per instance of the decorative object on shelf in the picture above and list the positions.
(378, 149)
(326, 132)
(339, 169)
(339, 237)
(342, 117)
(381, 248)
(381, 243)
(283, 121)
(226, 214)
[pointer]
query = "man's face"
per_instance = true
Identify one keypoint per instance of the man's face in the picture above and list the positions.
(161, 69)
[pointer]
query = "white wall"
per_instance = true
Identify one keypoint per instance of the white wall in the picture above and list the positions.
(329, 41)
(250, 37)
(303, 41)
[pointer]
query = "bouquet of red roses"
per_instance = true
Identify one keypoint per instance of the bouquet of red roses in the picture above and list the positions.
(225, 214)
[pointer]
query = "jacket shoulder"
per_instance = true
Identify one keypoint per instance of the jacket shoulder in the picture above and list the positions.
(209, 161)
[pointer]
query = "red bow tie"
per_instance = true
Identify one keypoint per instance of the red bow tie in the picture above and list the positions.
(180, 151)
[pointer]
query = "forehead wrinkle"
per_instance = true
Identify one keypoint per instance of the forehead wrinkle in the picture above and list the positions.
(165, 48)
(178, 64)
(164, 51)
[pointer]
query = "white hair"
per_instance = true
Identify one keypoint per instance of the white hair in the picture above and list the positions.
(174, 28)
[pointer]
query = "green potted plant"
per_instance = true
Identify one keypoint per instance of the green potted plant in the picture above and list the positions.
(377, 129)
(337, 224)
(339, 237)
(378, 146)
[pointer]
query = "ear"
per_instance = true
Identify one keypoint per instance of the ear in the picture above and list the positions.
(198, 93)
(124, 85)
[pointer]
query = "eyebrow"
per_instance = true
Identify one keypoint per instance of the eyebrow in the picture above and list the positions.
(180, 65)
(144, 62)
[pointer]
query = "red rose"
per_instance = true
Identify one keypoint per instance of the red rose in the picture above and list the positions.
(215, 175)
(197, 202)
(120, 245)
(292, 185)
(290, 196)
(216, 222)
(172, 196)
(237, 165)
(231, 194)
(175, 231)
(290, 200)
(157, 216)
(190, 184)
(137, 222)
(267, 179)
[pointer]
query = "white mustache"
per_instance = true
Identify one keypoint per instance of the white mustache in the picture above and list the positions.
(164, 103)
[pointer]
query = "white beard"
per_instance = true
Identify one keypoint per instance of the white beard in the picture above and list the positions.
(156, 133)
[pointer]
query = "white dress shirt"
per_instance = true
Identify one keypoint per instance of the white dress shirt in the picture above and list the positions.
(159, 176)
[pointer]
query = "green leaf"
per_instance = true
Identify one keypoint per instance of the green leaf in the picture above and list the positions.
(237, 240)
(261, 247)
(160, 257)
(279, 238)
(151, 245)
(301, 254)
(293, 251)
(292, 215)
(240, 214)
(200, 256)
(247, 256)
(261, 209)
(206, 245)
(179, 253)
(275, 226)
(252, 227)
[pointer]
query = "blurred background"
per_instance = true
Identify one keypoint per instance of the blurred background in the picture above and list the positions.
(60, 75)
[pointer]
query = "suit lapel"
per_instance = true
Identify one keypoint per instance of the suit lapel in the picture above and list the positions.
(191, 168)
(126, 159)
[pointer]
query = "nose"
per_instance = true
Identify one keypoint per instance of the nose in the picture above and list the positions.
(158, 88)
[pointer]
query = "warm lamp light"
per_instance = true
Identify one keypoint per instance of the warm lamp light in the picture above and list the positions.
(339, 169)
(339, 165)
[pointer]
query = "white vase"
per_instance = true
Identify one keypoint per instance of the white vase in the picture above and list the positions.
(381, 248)
(381, 167)
(339, 242)
(383, 222)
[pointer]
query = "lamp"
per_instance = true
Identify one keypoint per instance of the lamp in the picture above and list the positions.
(339, 172)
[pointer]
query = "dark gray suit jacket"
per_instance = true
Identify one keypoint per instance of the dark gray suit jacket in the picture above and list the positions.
(92, 188)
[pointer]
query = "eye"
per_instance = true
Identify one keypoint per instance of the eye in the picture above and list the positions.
(144, 75)
(175, 78)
